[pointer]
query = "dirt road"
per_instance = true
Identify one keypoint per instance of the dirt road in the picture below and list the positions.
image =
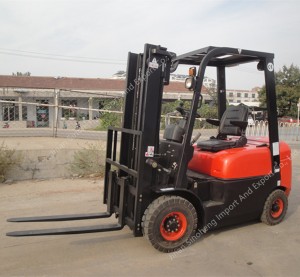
(253, 249)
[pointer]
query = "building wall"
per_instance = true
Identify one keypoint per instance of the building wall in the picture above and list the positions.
(243, 96)
(33, 116)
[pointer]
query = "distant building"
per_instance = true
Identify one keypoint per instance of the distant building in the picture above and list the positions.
(248, 97)
(210, 83)
(33, 101)
(119, 75)
(178, 77)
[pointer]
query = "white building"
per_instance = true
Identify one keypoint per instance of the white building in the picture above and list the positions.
(209, 83)
(248, 97)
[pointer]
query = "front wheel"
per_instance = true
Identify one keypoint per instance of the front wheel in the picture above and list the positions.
(275, 208)
(169, 222)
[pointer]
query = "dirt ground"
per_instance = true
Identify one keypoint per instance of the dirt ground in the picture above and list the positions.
(252, 249)
(36, 143)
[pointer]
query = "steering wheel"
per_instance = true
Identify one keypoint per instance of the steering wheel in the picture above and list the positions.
(185, 112)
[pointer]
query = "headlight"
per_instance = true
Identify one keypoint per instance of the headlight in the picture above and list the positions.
(189, 83)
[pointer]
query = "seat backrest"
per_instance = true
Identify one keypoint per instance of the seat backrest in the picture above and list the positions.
(175, 132)
(233, 113)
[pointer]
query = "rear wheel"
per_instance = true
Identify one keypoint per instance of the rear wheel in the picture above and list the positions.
(169, 222)
(275, 208)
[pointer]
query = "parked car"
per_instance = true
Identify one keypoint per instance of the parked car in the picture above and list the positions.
(287, 119)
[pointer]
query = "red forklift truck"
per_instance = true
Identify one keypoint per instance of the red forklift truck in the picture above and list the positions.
(174, 189)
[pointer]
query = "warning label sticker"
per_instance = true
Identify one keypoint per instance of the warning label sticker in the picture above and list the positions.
(150, 152)
(153, 64)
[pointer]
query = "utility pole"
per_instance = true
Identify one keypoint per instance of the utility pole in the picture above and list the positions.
(56, 111)
(298, 106)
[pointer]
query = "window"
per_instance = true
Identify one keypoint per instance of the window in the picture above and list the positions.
(246, 95)
(71, 112)
(24, 112)
(230, 94)
(42, 113)
(238, 94)
(10, 111)
(253, 95)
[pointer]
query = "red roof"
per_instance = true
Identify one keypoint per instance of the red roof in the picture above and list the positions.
(76, 83)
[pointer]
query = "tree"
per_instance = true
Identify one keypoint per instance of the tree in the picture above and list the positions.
(287, 82)
(212, 92)
(26, 74)
(205, 111)
(111, 119)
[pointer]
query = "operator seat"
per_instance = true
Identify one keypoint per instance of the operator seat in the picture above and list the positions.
(233, 122)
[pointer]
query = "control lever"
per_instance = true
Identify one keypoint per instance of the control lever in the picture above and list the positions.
(195, 138)
(185, 112)
(155, 165)
(181, 110)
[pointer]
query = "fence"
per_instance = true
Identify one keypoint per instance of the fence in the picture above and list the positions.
(74, 115)
(287, 131)
(50, 111)
(61, 112)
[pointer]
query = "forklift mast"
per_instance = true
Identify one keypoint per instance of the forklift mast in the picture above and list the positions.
(129, 177)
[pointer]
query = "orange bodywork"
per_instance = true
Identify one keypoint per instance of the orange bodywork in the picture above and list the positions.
(252, 160)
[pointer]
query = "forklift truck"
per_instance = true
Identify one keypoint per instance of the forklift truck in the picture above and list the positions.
(173, 189)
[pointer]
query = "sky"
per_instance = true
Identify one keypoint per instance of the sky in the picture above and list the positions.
(87, 38)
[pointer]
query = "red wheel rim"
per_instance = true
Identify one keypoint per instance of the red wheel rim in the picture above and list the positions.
(173, 226)
(277, 208)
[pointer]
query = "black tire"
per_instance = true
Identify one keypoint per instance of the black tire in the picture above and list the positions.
(275, 208)
(169, 222)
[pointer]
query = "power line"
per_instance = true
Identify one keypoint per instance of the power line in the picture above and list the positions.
(45, 56)
(81, 59)
(56, 55)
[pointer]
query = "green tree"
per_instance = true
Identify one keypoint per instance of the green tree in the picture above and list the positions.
(212, 92)
(26, 74)
(209, 111)
(111, 119)
(205, 111)
(287, 82)
(170, 106)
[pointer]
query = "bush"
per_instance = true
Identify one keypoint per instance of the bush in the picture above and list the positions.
(89, 161)
(110, 119)
(8, 159)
